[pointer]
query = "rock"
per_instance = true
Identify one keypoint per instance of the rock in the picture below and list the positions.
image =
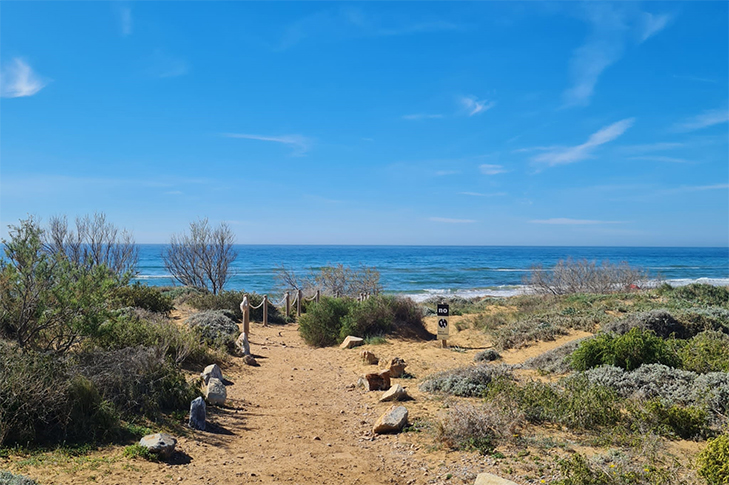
(250, 360)
(211, 371)
(161, 444)
(396, 393)
(351, 341)
(243, 345)
(368, 357)
(392, 421)
(197, 414)
(377, 381)
(397, 367)
(215, 393)
(490, 479)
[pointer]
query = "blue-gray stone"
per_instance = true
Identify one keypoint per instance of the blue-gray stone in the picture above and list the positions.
(197, 414)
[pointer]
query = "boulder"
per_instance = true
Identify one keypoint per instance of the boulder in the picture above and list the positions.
(215, 393)
(250, 360)
(368, 357)
(393, 421)
(211, 371)
(161, 444)
(197, 414)
(397, 367)
(351, 341)
(396, 393)
(243, 345)
(490, 479)
(379, 381)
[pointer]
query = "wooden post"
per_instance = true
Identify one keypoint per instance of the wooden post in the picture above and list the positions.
(287, 299)
(265, 310)
(243, 339)
(317, 296)
(443, 344)
(299, 296)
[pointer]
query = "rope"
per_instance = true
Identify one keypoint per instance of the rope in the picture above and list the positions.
(310, 299)
(283, 300)
(257, 307)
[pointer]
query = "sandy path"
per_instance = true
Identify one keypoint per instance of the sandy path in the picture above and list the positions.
(296, 419)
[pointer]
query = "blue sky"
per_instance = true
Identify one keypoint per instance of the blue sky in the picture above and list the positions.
(481, 123)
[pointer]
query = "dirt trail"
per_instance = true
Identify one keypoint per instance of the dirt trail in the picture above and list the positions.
(296, 419)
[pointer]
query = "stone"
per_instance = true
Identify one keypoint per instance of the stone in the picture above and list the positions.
(161, 444)
(250, 360)
(351, 341)
(490, 479)
(215, 393)
(243, 345)
(397, 367)
(368, 357)
(197, 414)
(396, 393)
(393, 421)
(379, 381)
(211, 371)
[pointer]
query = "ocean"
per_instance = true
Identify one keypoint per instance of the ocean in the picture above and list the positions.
(468, 271)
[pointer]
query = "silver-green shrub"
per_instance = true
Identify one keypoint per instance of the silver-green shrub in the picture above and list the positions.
(465, 381)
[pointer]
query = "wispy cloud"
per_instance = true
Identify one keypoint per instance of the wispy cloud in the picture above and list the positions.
(652, 24)
(18, 80)
(299, 143)
(479, 194)
(422, 116)
(164, 65)
(581, 152)
(473, 106)
(651, 147)
(573, 222)
(452, 221)
(695, 188)
(696, 78)
(441, 173)
(491, 169)
(657, 158)
(125, 17)
(707, 118)
(611, 27)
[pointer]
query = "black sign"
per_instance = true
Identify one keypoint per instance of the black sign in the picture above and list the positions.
(443, 310)
(443, 323)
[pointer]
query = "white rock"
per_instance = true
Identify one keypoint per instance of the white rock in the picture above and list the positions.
(215, 393)
(211, 371)
(159, 443)
(351, 341)
(392, 421)
(490, 479)
(396, 393)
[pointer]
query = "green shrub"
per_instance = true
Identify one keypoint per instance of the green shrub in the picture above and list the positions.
(215, 327)
(149, 298)
(525, 331)
(180, 294)
(628, 351)
(42, 401)
(139, 451)
(230, 301)
(713, 461)
(702, 294)
(322, 323)
(7, 478)
(132, 327)
(697, 320)
(464, 381)
(578, 470)
(486, 356)
(136, 380)
(374, 316)
(706, 352)
(660, 322)
(674, 420)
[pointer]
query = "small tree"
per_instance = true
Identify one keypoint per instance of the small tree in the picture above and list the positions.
(336, 281)
(202, 258)
(584, 276)
(94, 242)
(48, 302)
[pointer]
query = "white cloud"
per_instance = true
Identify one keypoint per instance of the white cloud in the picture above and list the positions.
(707, 118)
(573, 222)
(491, 169)
(695, 188)
(611, 27)
(473, 106)
(421, 116)
(18, 80)
(652, 158)
(452, 221)
(581, 152)
(479, 194)
(652, 24)
(651, 147)
(299, 143)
